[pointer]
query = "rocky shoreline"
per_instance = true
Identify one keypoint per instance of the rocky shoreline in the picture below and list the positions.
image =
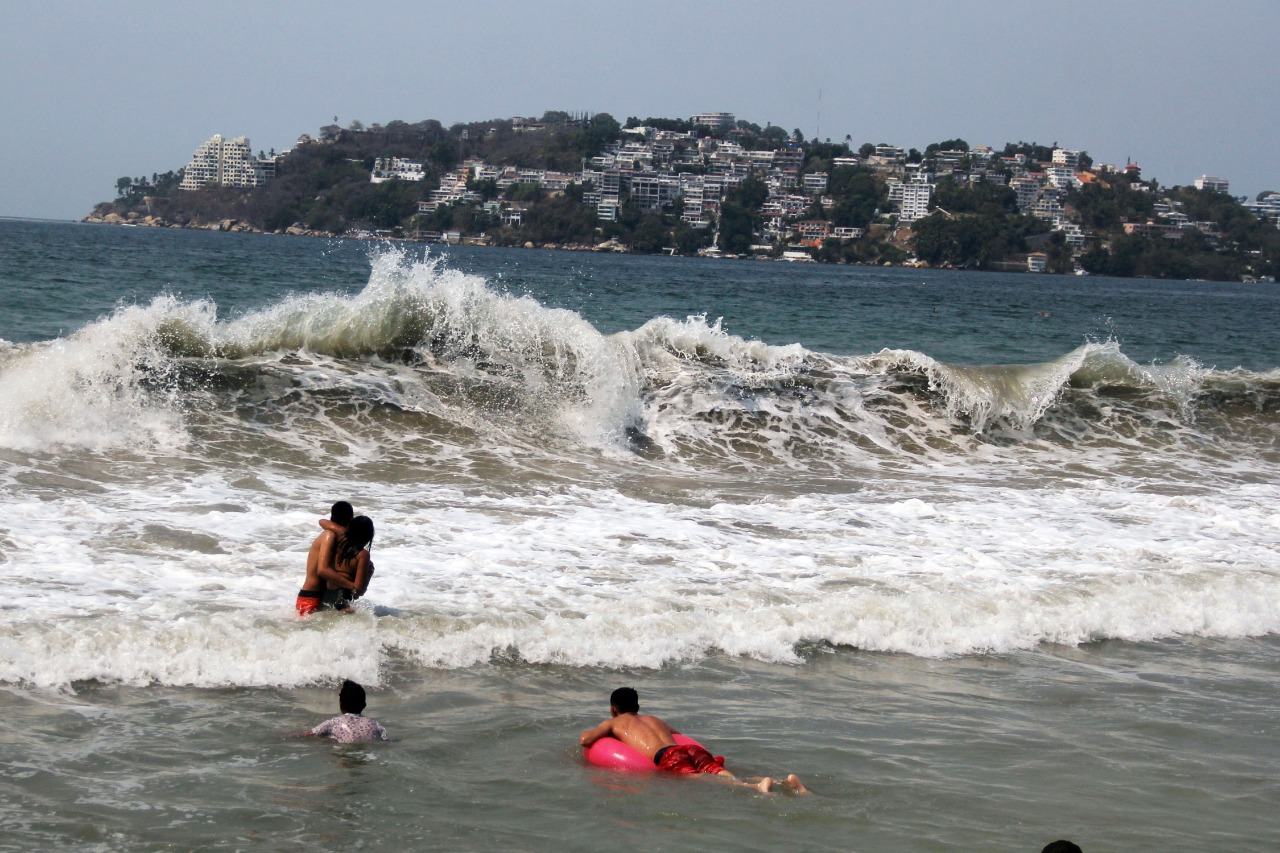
(611, 246)
(232, 225)
(237, 226)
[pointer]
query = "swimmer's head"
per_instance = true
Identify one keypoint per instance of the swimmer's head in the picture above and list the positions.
(341, 513)
(351, 698)
(358, 536)
(625, 700)
(360, 531)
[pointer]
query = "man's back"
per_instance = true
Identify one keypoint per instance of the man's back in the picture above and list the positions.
(321, 550)
(644, 733)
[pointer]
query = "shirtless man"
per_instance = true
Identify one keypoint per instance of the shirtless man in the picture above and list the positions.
(321, 575)
(652, 737)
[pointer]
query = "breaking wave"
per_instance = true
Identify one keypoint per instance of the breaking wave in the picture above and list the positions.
(427, 342)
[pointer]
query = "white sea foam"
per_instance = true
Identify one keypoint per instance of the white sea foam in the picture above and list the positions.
(175, 585)
(124, 381)
(103, 386)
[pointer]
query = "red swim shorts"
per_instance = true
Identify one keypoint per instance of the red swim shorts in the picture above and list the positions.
(308, 602)
(689, 759)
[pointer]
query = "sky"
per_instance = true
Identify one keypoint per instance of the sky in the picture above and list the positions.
(95, 91)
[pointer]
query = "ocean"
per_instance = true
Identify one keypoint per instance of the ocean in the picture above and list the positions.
(989, 560)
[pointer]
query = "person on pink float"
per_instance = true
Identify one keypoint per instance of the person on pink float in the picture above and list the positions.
(653, 738)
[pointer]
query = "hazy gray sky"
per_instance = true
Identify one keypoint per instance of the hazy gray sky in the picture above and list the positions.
(96, 91)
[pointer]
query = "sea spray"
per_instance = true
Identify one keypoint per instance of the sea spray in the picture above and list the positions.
(110, 384)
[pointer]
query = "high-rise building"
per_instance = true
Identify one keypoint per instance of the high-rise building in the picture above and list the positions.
(915, 201)
(227, 162)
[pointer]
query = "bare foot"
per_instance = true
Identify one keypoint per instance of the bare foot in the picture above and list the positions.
(793, 783)
(765, 785)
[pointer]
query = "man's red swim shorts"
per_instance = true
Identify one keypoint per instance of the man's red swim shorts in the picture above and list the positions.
(308, 602)
(688, 759)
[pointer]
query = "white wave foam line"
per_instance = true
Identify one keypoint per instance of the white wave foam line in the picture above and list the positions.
(589, 576)
(925, 585)
(200, 649)
(927, 624)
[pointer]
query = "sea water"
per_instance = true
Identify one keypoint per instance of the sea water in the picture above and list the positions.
(988, 560)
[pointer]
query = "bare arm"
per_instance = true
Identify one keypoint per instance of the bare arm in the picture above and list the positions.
(325, 569)
(590, 736)
(364, 573)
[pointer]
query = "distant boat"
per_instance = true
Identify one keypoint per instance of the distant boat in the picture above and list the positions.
(1081, 271)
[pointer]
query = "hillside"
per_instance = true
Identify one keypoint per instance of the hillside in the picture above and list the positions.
(736, 189)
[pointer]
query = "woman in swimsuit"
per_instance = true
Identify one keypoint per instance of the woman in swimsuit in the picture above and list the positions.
(351, 559)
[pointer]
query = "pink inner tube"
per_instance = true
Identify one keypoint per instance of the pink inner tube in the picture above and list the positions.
(613, 753)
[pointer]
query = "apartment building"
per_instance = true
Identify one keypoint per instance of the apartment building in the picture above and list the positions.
(1049, 207)
(715, 121)
(395, 169)
(1067, 157)
(1208, 182)
(1026, 190)
(950, 161)
(227, 162)
(915, 201)
(815, 182)
(1061, 177)
(652, 190)
(1267, 207)
(790, 157)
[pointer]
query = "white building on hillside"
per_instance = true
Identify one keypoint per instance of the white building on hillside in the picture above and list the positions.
(815, 182)
(1061, 177)
(713, 120)
(1267, 207)
(1026, 189)
(1067, 157)
(229, 163)
(1208, 182)
(397, 169)
(915, 201)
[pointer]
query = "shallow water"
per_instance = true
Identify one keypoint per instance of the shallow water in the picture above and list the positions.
(1118, 746)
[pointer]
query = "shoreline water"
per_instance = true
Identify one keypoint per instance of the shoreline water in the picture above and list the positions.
(609, 248)
(998, 753)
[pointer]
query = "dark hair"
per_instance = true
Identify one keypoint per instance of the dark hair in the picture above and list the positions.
(1061, 846)
(341, 513)
(625, 700)
(351, 697)
(359, 534)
